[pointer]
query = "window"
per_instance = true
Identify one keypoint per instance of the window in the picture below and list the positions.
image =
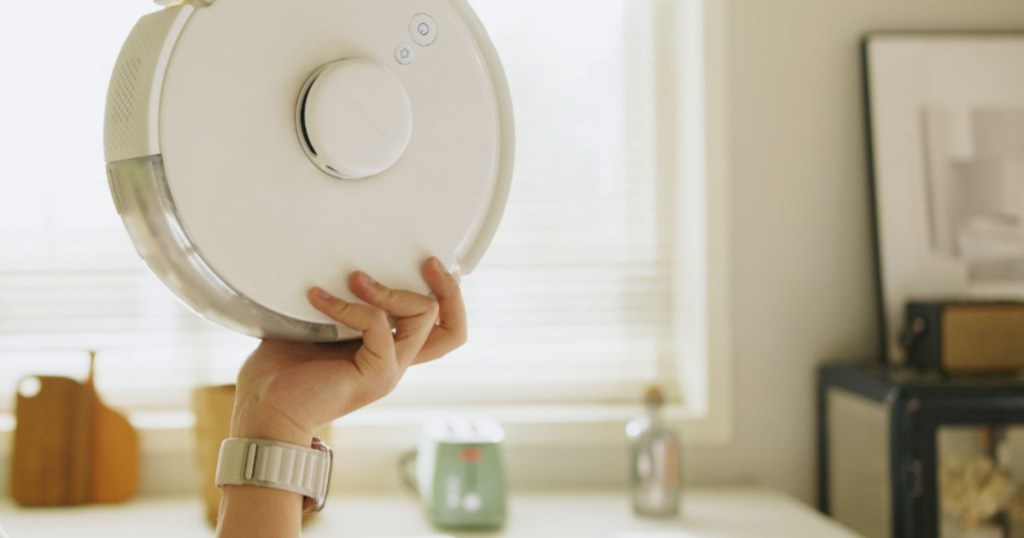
(593, 287)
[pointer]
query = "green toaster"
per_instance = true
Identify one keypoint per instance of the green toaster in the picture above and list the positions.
(460, 474)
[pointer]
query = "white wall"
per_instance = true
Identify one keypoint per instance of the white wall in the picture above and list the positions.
(802, 279)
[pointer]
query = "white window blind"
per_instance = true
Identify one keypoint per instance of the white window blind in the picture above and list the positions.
(573, 303)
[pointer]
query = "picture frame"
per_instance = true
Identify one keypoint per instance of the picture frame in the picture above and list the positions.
(945, 118)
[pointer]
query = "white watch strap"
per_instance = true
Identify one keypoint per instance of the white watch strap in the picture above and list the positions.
(259, 462)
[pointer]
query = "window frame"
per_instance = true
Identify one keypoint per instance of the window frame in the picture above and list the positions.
(702, 306)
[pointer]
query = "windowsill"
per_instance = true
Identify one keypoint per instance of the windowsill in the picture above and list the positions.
(534, 426)
(549, 446)
(551, 426)
(710, 513)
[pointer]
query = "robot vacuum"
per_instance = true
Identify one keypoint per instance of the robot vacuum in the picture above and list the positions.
(256, 148)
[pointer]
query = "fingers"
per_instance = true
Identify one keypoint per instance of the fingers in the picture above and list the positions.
(415, 315)
(426, 328)
(372, 322)
(451, 330)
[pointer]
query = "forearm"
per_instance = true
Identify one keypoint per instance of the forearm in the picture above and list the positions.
(257, 512)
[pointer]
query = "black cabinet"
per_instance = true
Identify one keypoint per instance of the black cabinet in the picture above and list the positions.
(913, 454)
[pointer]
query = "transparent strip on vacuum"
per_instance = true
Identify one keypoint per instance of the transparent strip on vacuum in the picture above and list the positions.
(143, 199)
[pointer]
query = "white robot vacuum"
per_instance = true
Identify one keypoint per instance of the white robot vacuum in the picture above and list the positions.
(256, 148)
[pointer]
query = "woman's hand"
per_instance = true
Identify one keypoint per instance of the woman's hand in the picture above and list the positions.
(287, 391)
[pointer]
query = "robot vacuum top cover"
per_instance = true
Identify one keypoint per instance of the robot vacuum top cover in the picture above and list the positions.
(256, 148)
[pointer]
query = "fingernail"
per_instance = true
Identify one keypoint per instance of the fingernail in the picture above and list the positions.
(366, 279)
(321, 294)
(438, 265)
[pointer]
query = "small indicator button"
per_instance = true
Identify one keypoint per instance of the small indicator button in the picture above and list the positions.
(405, 53)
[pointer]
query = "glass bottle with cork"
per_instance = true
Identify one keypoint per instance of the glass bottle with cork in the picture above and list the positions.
(655, 460)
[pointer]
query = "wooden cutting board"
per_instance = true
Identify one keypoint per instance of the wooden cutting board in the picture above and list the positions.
(69, 448)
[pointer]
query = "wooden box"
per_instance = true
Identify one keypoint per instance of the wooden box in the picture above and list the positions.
(965, 336)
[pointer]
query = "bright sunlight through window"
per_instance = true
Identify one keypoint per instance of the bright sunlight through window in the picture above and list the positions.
(574, 303)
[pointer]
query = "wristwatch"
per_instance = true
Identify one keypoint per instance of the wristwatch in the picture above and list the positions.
(272, 464)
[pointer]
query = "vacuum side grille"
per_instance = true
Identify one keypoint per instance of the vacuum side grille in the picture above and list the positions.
(128, 128)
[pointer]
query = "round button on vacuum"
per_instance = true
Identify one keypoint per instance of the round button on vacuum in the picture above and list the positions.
(423, 29)
(354, 118)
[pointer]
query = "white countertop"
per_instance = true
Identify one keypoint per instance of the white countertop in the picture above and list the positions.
(708, 513)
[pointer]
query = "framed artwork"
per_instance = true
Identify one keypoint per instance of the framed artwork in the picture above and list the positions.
(946, 123)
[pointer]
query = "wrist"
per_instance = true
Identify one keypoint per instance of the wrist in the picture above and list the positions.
(254, 421)
(301, 470)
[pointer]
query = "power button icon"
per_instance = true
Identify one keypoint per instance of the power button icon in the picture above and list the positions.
(423, 30)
